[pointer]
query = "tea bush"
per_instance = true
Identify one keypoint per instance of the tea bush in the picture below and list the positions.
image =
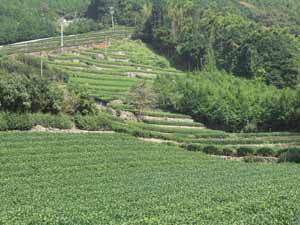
(291, 155)
(51, 121)
(43, 173)
(266, 152)
(17, 121)
(212, 150)
(245, 151)
(3, 122)
(93, 122)
(259, 159)
(194, 147)
(229, 151)
(26, 121)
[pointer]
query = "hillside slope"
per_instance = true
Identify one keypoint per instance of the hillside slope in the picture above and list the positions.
(107, 65)
(30, 19)
(108, 71)
(269, 12)
(238, 37)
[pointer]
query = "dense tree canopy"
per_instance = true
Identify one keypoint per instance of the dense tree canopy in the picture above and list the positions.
(226, 102)
(126, 12)
(23, 89)
(209, 37)
(23, 20)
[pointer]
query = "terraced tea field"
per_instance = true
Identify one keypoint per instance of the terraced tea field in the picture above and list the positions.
(183, 132)
(117, 179)
(108, 71)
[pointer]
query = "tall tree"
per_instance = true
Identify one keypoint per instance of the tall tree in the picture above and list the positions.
(142, 97)
(99, 9)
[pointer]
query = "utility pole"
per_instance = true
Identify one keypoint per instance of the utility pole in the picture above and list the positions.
(42, 66)
(112, 11)
(26, 48)
(62, 35)
(106, 45)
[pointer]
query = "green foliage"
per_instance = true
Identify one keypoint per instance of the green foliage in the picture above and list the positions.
(194, 147)
(126, 12)
(29, 65)
(266, 152)
(23, 89)
(83, 26)
(59, 121)
(222, 101)
(3, 122)
(76, 171)
(201, 36)
(22, 94)
(290, 155)
(1, 54)
(259, 159)
(99, 10)
(77, 100)
(212, 150)
(26, 121)
(245, 151)
(17, 24)
(139, 53)
(19, 121)
(229, 151)
(142, 97)
(271, 55)
(94, 122)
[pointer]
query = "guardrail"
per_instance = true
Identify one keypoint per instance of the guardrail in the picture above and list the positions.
(54, 43)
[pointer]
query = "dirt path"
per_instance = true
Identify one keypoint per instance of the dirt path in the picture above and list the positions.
(156, 140)
(168, 119)
(181, 127)
(69, 131)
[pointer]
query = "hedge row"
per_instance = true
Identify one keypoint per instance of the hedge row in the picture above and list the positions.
(290, 155)
(14, 121)
(250, 154)
(94, 122)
